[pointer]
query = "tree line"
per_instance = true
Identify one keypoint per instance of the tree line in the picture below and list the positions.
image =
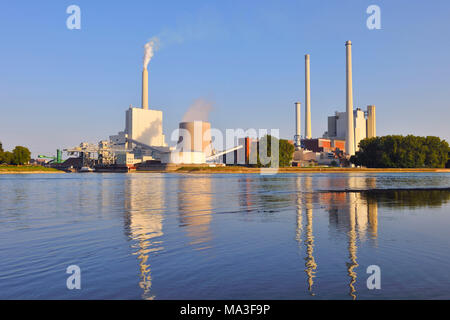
(19, 156)
(396, 151)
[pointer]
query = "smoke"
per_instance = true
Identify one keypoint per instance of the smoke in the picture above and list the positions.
(199, 110)
(150, 47)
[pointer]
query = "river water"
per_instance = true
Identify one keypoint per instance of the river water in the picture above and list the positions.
(225, 236)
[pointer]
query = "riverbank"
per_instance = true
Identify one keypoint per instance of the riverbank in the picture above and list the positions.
(27, 169)
(233, 169)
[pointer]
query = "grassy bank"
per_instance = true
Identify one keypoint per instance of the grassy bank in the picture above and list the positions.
(5, 169)
(233, 169)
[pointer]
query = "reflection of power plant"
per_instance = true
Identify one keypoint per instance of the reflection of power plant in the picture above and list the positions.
(195, 209)
(349, 212)
(357, 216)
(306, 201)
(144, 206)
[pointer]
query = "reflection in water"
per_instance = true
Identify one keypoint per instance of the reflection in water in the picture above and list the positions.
(246, 200)
(352, 212)
(299, 230)
(412, 198)
(195, 209)
(355, 215)
(123, 221)
(144, 205)
(349, 212)
(352, 247)
(310, 262)
(372, 208)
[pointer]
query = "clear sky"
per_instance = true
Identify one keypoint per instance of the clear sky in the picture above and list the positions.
(59, 87)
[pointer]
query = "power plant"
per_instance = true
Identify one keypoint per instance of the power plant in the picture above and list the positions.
(141, 145)
(345, 129)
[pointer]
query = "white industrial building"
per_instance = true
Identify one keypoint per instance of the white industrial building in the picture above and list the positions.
(364, 125)
(143, 137)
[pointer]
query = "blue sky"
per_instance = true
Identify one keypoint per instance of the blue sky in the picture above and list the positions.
(59, 87)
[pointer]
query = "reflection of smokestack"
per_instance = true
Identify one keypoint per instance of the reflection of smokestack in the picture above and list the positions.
(307, 99)
(144, 89)
(297, 125)
(350, 134)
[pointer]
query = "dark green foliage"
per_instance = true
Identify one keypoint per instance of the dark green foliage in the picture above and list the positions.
(413, 198)
(21, 155)
(402, 152)
(286, 150)
(6, 157)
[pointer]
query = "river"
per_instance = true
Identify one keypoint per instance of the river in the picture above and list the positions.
(225, 236)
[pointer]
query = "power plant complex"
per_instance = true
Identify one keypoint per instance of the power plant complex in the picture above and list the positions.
(142, 144)
(345, 129)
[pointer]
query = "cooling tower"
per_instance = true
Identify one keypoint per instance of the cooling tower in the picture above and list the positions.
(144, 89)
(307, 99)
(195, 136)
(350, 134)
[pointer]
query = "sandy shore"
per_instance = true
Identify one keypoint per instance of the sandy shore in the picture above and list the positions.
(28, 172)
(27, 169)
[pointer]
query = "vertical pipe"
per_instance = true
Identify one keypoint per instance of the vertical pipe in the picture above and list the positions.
(371, 122)
(350, 132)
(144, 89)
(297, 125)
(307, 99)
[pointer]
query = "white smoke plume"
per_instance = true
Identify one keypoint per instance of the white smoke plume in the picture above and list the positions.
(199, 110)
(150, 47)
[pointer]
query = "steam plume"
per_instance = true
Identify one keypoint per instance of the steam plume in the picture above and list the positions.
(199, 110)
(150, 47)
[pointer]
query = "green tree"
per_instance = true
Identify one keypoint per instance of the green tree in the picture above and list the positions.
(1, 152)
(6, 157)
(21, 155)
(285, 152)
(397, 151)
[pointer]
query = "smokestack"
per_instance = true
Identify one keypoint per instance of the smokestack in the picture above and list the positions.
(371, 122)
(145, 89)
(350, 133)
(297, 139)
(307, 99)
(149, 49)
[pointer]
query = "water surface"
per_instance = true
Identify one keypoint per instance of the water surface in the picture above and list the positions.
(230, 236)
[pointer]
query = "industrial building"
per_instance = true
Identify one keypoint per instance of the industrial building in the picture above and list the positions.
(142, 145)
(142, 142)
(364, 125)
(345, 129)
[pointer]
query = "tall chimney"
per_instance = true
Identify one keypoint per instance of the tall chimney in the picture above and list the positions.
(371, 122)
(144, 89)
(350, 133)
(307, 99)
(297, 139)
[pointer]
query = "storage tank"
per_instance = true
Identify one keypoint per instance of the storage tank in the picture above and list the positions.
(195, 136)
